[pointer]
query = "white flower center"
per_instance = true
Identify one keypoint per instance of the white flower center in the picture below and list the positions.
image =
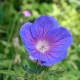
(42, 46)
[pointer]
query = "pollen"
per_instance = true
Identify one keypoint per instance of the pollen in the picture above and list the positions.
(42, 46)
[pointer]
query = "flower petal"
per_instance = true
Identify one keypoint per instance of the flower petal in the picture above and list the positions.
(38, 56)
(27, 37)
(43, 25)
(54, 57)
(60, 38)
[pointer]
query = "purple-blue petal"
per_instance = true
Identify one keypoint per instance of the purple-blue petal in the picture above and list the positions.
(39, 56)
(43, 25)
(60, 38)
(53, 59)
(27, 38)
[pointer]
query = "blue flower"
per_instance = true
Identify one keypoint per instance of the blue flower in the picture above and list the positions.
(45, 40)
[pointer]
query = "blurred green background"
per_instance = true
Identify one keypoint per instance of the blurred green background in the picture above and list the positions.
(12, 52)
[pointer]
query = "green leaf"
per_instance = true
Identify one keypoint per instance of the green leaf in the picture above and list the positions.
(8, 72)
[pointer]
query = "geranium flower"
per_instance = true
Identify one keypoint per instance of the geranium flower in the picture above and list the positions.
(45, 40)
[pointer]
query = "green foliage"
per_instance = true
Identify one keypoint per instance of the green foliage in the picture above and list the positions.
(14, 61)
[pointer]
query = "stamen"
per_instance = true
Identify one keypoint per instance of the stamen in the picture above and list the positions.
(42, 46)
